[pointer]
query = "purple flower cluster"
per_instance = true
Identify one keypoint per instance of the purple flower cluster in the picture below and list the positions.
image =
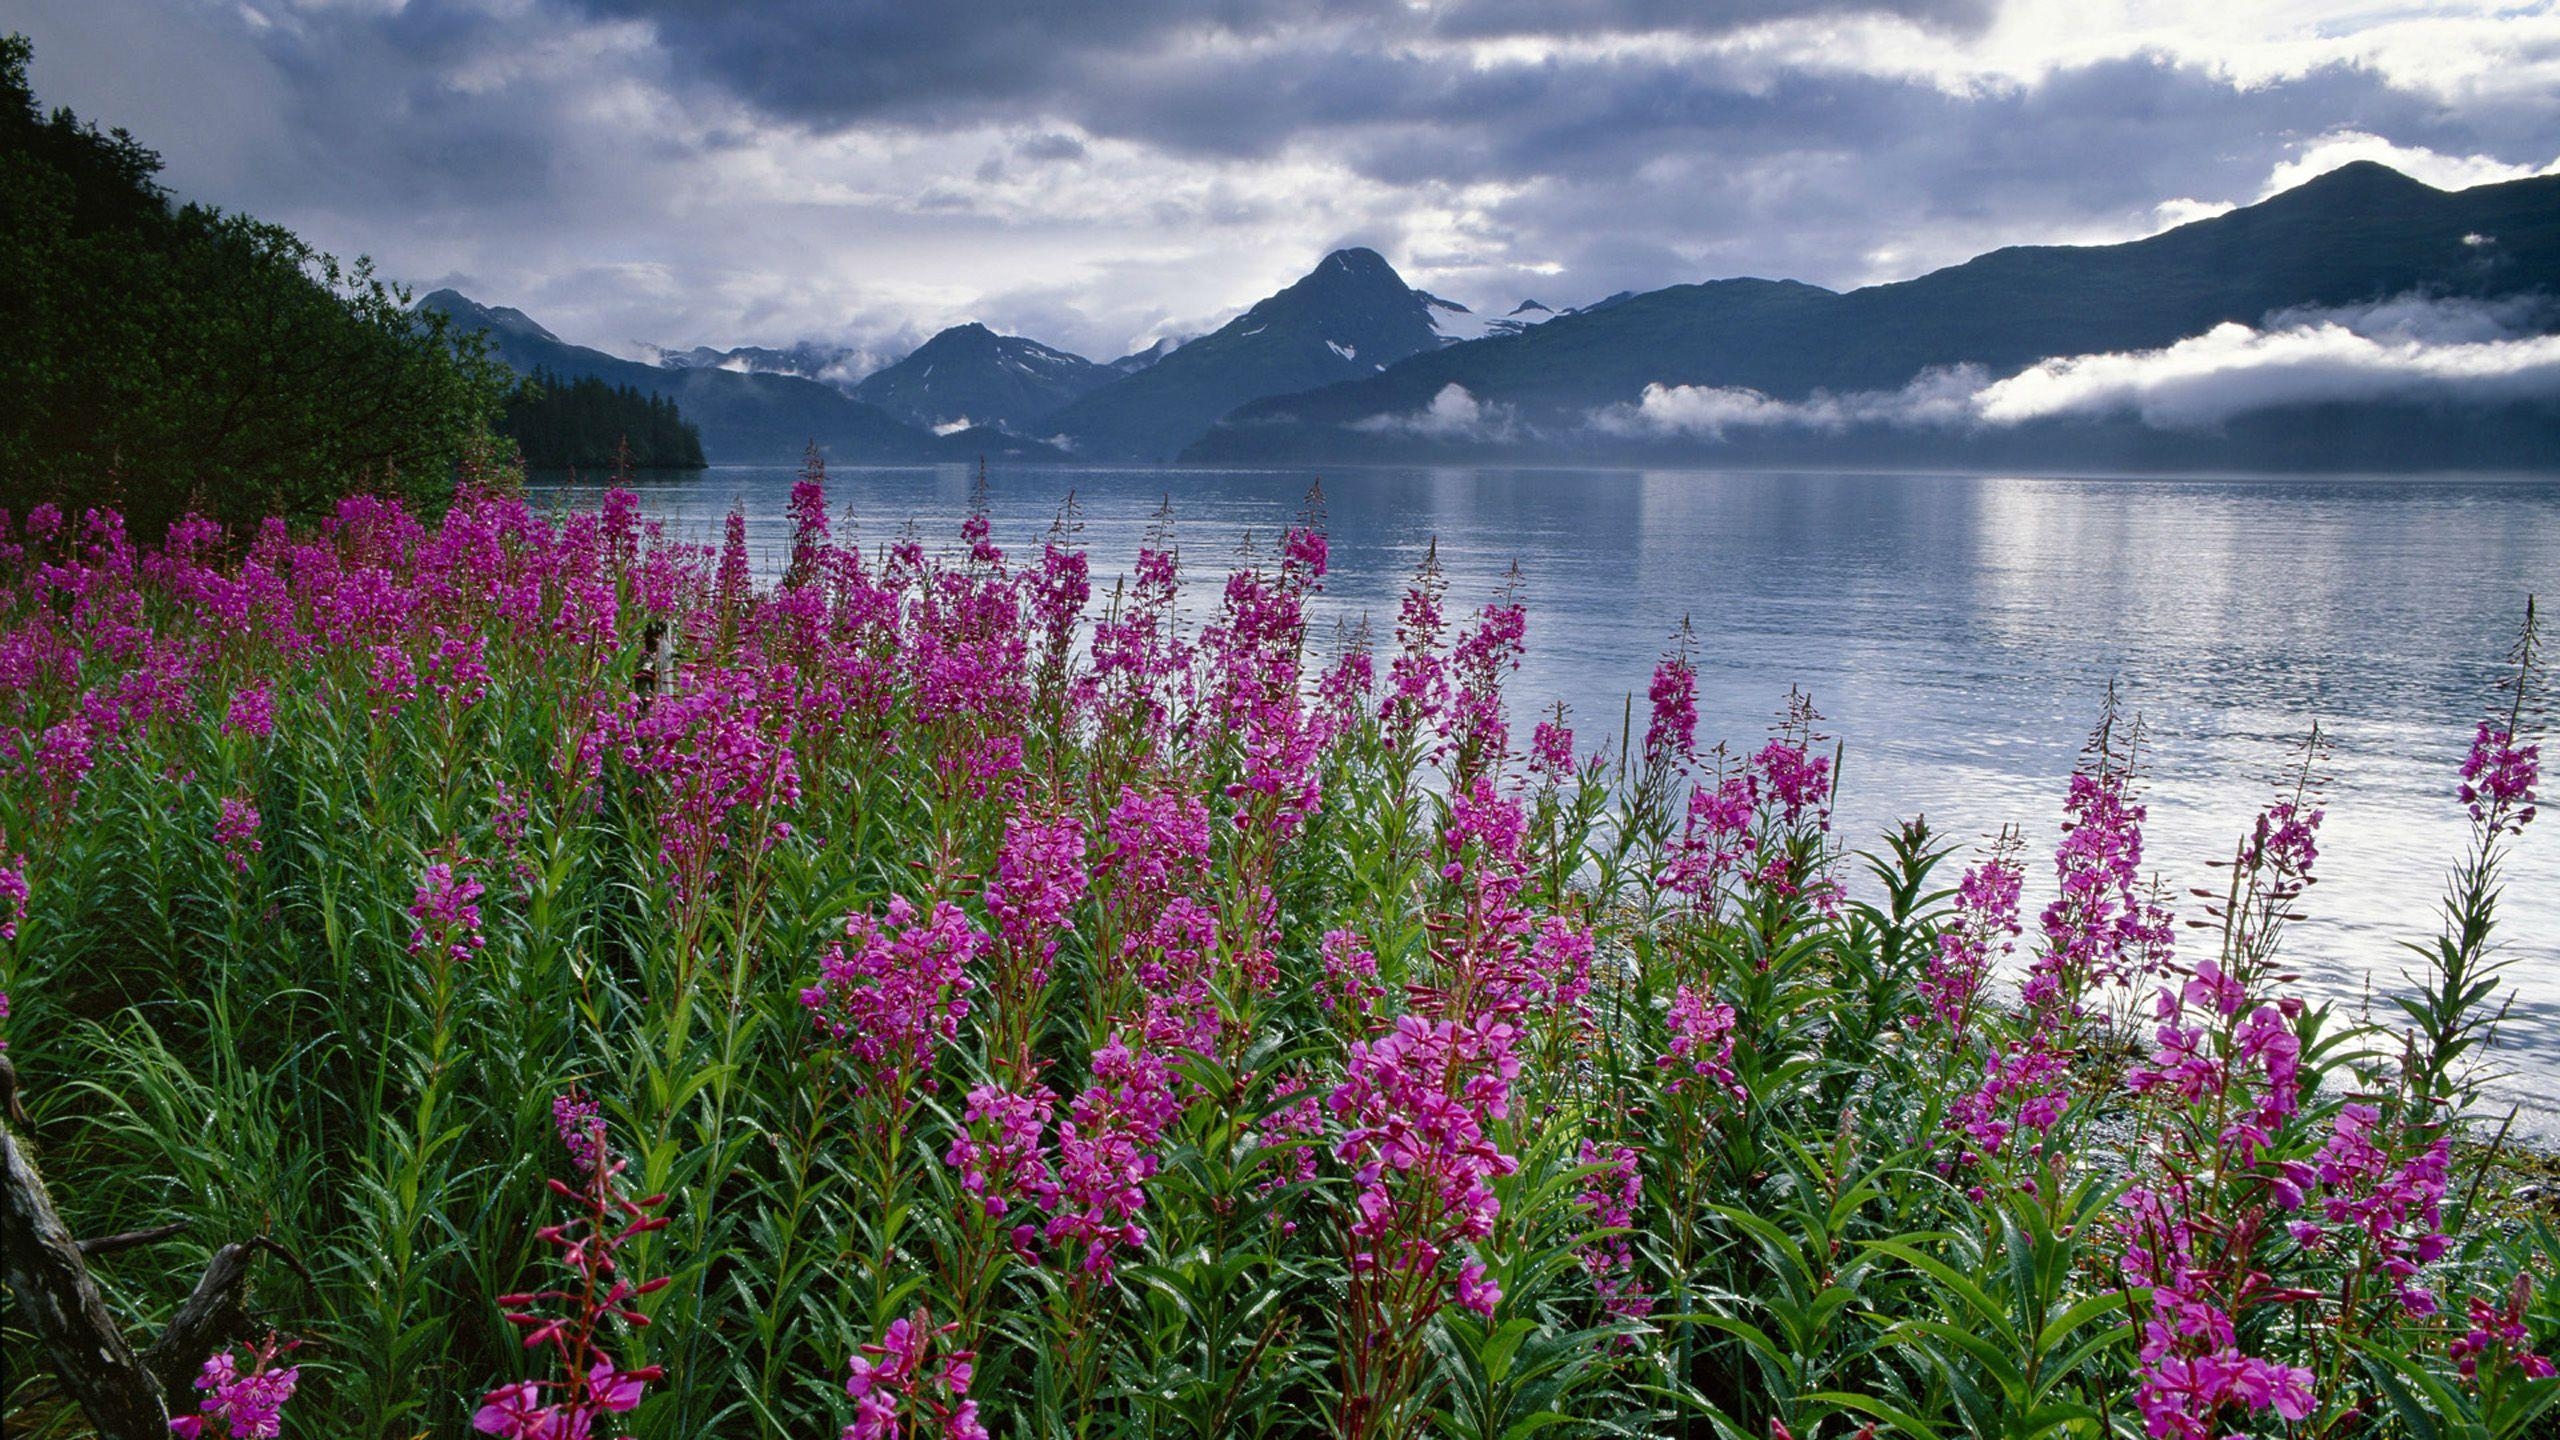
(2498, 1337)
(13, 895)
(446, 913)
(1701, 1044)
(1976, 938)
(241, 1404)
(999, 1152)
(719, 751)
(1415, 1105)
(236, 831)
(581, 1128)
(253, 711)
(901, 1386)
(589, 1383)
(2498, 778)
(1040, 875)
(891, 994)
(2193, 1371)
(1611, 1196)
(2390, 1212)
(2099, 930)
(1671, 735)
(2214, 1045)
(1106, 1155)
(2025, 1089)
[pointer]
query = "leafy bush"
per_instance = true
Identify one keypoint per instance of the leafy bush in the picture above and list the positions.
(164, 358)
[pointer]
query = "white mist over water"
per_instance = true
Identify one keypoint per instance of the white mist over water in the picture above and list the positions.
(1957, 632)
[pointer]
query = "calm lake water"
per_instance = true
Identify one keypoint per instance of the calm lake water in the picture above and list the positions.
(1958, 632)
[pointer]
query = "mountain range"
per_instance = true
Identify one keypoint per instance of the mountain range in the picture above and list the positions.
(1352, 363)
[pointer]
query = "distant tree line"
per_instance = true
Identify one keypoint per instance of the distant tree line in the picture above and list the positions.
(162, 357)
(585, 423)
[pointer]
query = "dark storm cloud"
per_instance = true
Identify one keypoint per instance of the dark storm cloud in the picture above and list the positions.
(823, 63)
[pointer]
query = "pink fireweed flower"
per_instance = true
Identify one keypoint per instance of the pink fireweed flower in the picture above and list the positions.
(720, 751)
(1295, 1125)
(394, 682)
(241, 1404)
(892, 994)
(1343, 691)
(2499, 777)
(1715, 838)
(1671, 735)
(1551, 756)
(1701, 1048)
(900, 1386)
(1350, 977)
(1561, 958)
(808, 511)
(446, 913)
(13, 895)
(735, 587)
(2392, 1212)
(458, 668)
(2099, 930)
(1418, 678)
(2212, 1045)
(1488, 652)
(252, 711)
(1106, 1156)
(1303, 553)
(1040, 875)
(1796, 782)
(236, 831)
(570, 1320)
(975, 529)
(1415, 1104)
(2024, 1090)
(999, 1153)
(2498, 1336)
(1611, 1195)
(581, 1127)
(1977, 937)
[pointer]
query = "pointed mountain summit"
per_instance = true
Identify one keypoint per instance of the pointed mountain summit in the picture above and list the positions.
(502, 323)
(1351, 316)
(970, 374)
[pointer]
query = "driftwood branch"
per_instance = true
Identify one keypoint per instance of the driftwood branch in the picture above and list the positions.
(110, 1244)
(123, 1394)
(61, 1305)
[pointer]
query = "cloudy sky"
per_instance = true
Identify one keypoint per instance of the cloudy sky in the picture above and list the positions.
(1100, 172)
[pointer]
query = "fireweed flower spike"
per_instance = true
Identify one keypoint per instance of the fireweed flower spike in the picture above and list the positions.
(911, 1383)
(570, 1321)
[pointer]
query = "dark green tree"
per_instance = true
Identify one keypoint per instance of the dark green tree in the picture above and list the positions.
(164, 357)
(559, 423)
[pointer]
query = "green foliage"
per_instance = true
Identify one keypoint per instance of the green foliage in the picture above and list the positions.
(586, 424)
(167, 357)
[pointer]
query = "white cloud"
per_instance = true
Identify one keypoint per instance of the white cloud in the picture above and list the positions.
(1453, 414)
(2410, 349)
(2445, 172)
(2232, 370)
(1708, 412)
